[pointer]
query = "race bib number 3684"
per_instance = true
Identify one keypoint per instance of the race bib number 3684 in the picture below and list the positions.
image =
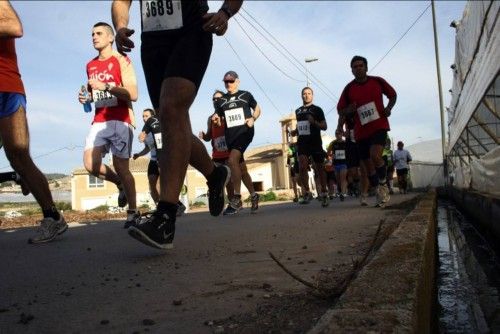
(158, 15)
(368, 113)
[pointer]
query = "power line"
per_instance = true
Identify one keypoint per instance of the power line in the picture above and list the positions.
(69, 148)
(249, 72)
(326, 90)
(400, 38)
(262, 52)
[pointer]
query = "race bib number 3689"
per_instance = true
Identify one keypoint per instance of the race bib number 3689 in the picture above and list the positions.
(158, 15)
(234, 117)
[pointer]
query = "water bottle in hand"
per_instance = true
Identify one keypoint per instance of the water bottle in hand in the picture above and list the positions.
(87, 107)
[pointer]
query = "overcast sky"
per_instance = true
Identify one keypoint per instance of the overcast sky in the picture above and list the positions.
(57, 45)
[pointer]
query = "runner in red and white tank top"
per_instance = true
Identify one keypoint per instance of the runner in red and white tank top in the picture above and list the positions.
(113, 71)
(113, 86)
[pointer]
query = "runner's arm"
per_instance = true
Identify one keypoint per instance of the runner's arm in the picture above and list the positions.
(144, 151)
(10, 25)
(120, 15)
(206, 136)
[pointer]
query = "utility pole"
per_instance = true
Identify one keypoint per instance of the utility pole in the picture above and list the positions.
(309, 60)
(440, 91)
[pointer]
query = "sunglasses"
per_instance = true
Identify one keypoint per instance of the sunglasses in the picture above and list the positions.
(228, 81)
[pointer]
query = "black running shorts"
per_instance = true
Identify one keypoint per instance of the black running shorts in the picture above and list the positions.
(241, 142)
(185, 55)
(402, 171)
(317, 154)
(378, 138)
(352, 155)
(153, 168)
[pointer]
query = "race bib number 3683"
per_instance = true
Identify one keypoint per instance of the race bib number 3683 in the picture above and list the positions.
(158, 15)
(368, 113)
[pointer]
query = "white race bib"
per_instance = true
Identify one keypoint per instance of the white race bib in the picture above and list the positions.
(104, 99)
(158, 15)
(339, 154)
(220, 143)
(304, 128)
(158, 141)
(234, 117)
(368, 113)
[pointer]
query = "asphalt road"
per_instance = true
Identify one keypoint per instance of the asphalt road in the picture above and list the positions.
(95, 278)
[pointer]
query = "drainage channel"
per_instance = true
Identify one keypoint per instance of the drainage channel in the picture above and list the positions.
(468, 275)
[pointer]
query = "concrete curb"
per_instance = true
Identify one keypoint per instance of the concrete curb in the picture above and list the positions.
(395, 292)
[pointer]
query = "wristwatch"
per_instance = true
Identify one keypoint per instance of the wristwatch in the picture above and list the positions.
(107, 87)
(227, 11)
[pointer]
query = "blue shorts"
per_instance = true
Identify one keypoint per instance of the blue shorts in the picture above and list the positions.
(10, 103)
(339, 168)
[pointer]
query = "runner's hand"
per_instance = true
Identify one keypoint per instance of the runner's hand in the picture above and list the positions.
(215, 23)
(311, 120)
(142, 137)
(201, 135)
(96, 84)
(123, 42)
(216, 119)
(250, 121)
(387, 112)
(81, 97)
(135, 156)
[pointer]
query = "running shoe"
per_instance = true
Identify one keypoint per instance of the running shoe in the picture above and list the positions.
(122, 198)
(255, 203)
(181, 208)
(295, 199)
(363, 200)
(305, 199)
(157, 231)
(235, 205)
(133, 218)
(331, 197)
(49, 228)
(342, 197)
(324, 200)
(216, 185)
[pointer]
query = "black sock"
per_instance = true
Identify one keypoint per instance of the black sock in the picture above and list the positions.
(51, 213)
(382, 174)
(373, 180)
(169, 208)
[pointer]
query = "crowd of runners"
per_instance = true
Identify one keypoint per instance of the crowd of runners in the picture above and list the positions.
(176, 44)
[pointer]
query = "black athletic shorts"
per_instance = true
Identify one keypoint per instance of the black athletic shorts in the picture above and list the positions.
(294, 169)
(241, 142)
(317, 154)
(378, 138)
(184, 55)
(153, 168)
(352, 155)
(402, 171)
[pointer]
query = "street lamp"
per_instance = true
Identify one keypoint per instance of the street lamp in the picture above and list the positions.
(309, 60)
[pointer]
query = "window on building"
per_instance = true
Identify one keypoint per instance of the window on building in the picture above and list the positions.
(95, 182)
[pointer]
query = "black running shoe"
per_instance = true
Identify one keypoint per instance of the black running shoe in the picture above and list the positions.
(216, 185)
(255, 203)
(122, 198)
(133, 218)
(158, 231)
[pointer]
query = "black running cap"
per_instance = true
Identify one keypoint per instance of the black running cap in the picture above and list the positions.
(230, 75)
